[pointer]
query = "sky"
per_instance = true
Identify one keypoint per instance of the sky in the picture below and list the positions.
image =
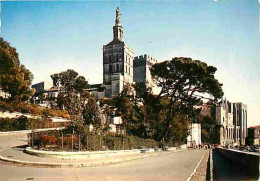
(52, 36)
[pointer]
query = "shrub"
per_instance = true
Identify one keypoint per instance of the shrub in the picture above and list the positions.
(33, 109)
(6, 124)
(5, 107)
(21, 123)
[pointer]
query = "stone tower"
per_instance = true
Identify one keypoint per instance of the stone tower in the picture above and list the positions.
(117, 61)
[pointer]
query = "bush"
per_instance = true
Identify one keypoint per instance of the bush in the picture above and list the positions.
(6, 124)
(5, 107)
(33, 109)
(24, 123)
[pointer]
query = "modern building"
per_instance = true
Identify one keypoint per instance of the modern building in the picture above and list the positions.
(231, 119)
(194, 138)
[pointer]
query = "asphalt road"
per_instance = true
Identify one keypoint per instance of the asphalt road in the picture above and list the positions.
(173, 166)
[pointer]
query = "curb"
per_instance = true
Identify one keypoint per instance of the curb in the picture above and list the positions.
(194, 171)
(78, 155)
(211, 165)
(78, 165)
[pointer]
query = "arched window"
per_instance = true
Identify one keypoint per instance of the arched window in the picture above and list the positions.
(117, 67)
(117, 59)
(110, 58)
(110, 68)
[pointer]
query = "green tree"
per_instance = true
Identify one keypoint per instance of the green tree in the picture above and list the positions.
(124, 105)
(208, 130)
(72, 95)
(184, 82)
(147, 109)
(15, 79)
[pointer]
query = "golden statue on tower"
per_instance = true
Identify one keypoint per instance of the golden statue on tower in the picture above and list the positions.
(117, 16)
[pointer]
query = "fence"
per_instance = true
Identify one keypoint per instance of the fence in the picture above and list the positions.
(59, 140)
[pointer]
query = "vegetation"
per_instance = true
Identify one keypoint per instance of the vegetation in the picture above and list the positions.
(15, 79)
(95, 116)
(147, 118)
(24, 123)
(184, 82)
(208, 130)
(72, 96)
(165, 117)
(32, 109)
(89, 141)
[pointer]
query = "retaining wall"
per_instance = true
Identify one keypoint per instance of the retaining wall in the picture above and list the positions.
(246, 162)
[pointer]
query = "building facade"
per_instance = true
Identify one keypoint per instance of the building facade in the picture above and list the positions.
(231, 119)
(42, 86)
(194, 138)
(142, 66)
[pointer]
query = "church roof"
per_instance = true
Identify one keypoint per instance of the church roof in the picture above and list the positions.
(115, 41)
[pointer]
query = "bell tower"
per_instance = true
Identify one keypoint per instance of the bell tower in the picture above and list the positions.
(117, 61)
(118, 29)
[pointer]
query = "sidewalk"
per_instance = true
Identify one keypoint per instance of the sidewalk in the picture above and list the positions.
(16, 155)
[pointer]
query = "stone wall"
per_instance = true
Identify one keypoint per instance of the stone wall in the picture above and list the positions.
(241, 165)
(142, 65)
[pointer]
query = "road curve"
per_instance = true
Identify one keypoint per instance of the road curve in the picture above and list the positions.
(173, 166)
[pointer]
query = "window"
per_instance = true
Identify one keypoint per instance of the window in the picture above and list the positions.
(117, 58)
(117, 67)
(229, 107)
(129, 71)
(125, 58)
(110, 68)
(110, 57)
(126, 68)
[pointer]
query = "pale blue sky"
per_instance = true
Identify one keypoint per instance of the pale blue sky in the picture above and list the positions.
(55, 36)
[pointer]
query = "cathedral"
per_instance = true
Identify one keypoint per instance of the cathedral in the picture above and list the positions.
(120, 67)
